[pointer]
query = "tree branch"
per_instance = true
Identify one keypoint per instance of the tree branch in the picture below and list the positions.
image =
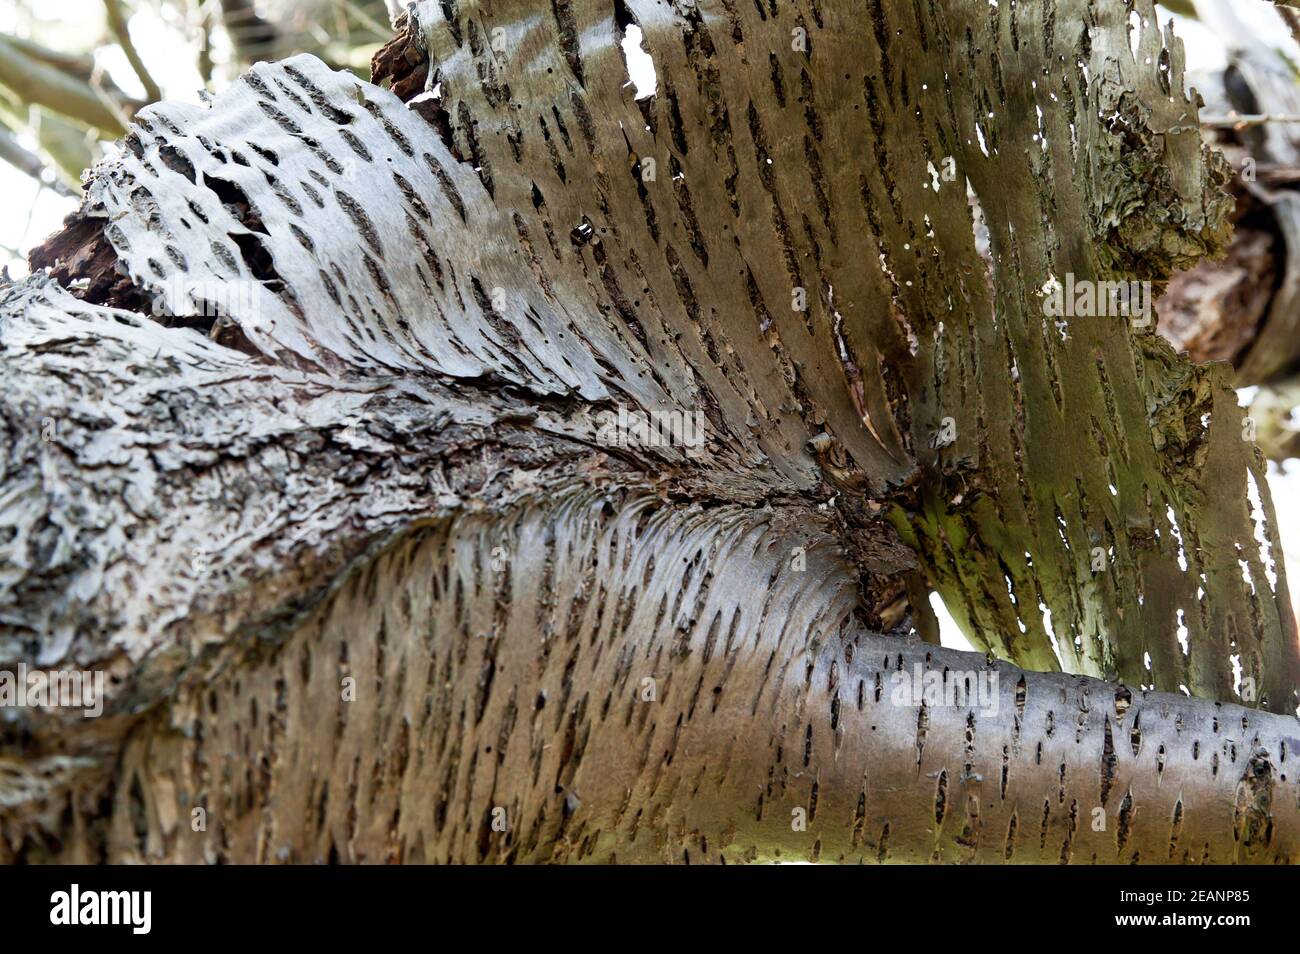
(37, 82)
(1259, 80)
(590, 678)
(121, 32)
(232, 517)
(28, 163)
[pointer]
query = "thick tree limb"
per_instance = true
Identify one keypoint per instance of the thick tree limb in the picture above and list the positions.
(595, 678)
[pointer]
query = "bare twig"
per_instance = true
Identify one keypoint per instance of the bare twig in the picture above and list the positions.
(28, 163)
(383, 31)
(117, 23)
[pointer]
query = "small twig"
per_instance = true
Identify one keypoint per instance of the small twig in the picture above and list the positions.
(365, 19)
(28, 163)
(205, 65)
(31, 210)
(117, 23)
(97, 84)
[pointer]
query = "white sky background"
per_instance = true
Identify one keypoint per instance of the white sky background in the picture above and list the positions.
(29, 212)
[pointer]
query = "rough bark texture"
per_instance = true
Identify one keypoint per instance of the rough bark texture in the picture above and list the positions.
(441, 300)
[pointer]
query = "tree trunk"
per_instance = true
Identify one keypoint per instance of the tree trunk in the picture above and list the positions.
(381, 572)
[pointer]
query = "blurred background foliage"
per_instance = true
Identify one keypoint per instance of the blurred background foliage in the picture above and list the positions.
(74, 72)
